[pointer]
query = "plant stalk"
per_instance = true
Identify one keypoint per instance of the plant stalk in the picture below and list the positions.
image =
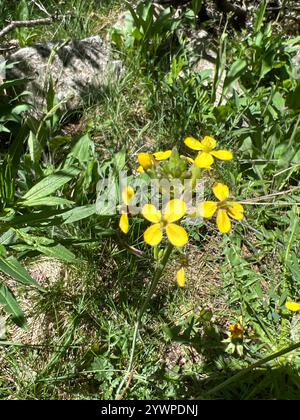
(157, 275)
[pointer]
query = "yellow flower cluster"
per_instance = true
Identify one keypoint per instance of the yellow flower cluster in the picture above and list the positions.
(167, 222)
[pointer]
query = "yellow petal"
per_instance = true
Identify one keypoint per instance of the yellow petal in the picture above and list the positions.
(204, 160)
(150, 213)
(145, 160)
(162, 155)
(174, 210)
(124, 223)
(127, 195)
(153, 235)
(235, 210)
(193, 143)
(221, 191)
(176, 235)
(180, 277)
(140, 169)
(188, 159)
(222, 154)
(207, 209)
(293, 306)
(223, 221)
(208, 143)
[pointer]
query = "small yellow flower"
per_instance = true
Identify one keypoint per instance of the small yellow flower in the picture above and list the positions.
(292, 306)
(224, 208)
(236, 331)
(180, 277)
(147, 160)
(205, 157)
(175, 210)
(127, 196)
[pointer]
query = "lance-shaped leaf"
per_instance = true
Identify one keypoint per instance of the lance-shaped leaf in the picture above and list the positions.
(11, 306)
(50, 184)
(14, 269)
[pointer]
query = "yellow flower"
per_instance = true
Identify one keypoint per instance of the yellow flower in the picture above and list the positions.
(175, 210)
(180, 277)
(147, 160)
(224, 208)
(127, 196)
(236, 331)
(205, 157)
(292, 306)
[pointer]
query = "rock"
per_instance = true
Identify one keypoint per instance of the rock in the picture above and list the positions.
(203, 55)
(79, 69)
(204, 52)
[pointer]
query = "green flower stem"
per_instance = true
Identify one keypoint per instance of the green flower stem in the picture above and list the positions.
(196, 175)
(157, 275)
(250, 368)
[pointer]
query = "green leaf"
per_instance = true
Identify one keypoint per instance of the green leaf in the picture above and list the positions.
(267, 63)
(51, 97)
(57, 251)
(19, 109)
(260, 16)
(196, 6)
(49, 185)
(292, 41)
(11, 306)
(278, 101)
(47, 201)
(7, 237)
(234, 72)
(58, 141)
(47, 217)
(293, 99)
(12, 83)
(133, 14)
(82, 150)
(3, 129)
(119, 160)
(79, 213)
(35, 149)
(22, 10)
(14, 269)
(47, 247)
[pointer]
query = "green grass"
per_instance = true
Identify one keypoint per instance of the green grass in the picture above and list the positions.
(80, 330)
(79, 18)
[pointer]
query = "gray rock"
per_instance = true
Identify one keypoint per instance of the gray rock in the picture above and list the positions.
(203, 49)
(79, 69)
